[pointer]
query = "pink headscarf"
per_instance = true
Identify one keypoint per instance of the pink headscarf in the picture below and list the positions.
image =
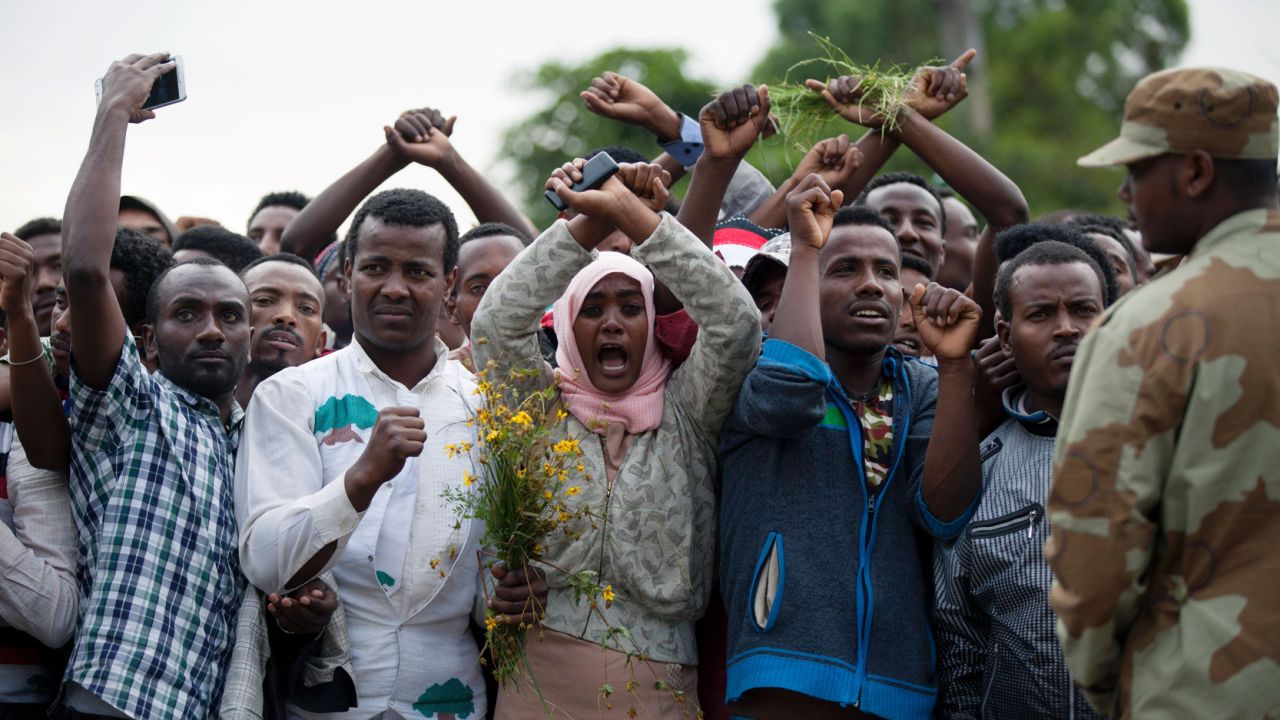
(640, 407)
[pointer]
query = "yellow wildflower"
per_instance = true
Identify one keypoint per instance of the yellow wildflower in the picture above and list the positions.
(573, 491)
(451, 449)
(491, 623)
(561, 415)
(493, 435)
(435, 563)
(522, 418)
(566, 446)
(581, 468)
(547, 494)
(537, 549)
(520, 472)
(608, 595)
(468, 479)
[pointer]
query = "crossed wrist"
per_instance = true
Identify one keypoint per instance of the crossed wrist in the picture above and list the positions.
(665, 124)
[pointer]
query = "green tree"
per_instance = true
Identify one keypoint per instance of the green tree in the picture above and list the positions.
(1056, 73)
(564, 129)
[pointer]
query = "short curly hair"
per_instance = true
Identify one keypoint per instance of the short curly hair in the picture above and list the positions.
(287, 198)
(894, 178)
(231, 249)
(408, 208)
(38, 227)
(142, 259)
(1046, 252)
(1014, 240)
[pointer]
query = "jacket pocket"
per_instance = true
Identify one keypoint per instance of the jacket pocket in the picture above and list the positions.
(1023, 520)
(767, 583)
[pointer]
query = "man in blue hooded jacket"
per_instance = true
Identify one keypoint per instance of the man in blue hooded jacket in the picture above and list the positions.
(842, 460)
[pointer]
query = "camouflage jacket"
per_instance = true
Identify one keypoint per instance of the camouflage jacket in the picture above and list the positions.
(1165, 503)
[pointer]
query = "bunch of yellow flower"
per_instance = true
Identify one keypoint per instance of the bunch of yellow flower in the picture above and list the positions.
(524, 476)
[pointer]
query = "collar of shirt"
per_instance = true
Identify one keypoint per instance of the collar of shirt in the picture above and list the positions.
(366, 365)
(201, 403)
(1233, 226)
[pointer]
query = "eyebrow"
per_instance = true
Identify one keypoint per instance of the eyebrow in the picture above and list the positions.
(277, 291)
(599, 294)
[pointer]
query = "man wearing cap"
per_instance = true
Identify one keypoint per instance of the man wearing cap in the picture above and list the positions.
(1165, 504)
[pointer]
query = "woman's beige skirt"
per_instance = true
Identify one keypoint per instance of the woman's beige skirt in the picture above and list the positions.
(569, 674)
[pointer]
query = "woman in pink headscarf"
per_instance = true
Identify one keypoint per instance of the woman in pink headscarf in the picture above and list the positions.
(649, 434)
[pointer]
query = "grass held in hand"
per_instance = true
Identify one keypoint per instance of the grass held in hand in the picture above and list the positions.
(802, 112)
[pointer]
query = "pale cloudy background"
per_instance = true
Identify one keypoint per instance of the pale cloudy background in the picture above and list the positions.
(289, 95)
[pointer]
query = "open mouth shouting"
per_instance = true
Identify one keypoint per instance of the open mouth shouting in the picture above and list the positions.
(613, 360)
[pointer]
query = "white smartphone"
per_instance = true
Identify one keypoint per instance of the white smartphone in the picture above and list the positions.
(169, 88)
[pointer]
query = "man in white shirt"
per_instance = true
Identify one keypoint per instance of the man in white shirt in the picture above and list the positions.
(343, 468)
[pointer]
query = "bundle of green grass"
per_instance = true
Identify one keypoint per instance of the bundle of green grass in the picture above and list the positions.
(801, 112)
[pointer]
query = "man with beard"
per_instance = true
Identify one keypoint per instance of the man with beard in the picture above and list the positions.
(288, 318)
(152, 454)
(998, 655)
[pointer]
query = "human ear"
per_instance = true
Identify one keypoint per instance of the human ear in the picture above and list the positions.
(1197, 173)
(1002, 332)
(150, 350)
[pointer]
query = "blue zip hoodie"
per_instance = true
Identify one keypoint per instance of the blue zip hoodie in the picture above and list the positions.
(826, 586)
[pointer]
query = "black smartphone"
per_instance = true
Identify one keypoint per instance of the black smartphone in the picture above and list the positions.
(169, 88)
(594, 173)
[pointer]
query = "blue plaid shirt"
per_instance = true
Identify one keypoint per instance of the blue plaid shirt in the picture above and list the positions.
(152, 472)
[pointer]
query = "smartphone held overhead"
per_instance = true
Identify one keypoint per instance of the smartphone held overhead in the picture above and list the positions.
(169, 88)
(599, 168)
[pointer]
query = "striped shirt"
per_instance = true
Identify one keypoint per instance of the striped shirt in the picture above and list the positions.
(151, 489)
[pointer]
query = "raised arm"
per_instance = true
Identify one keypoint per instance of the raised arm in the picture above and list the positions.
(423, 137)
(811, 209)
(933, 92)
(309, 232)
(37, 413)
(730, 125)
(89, 222)
(834, 159)
(620, 98)
(948, 322)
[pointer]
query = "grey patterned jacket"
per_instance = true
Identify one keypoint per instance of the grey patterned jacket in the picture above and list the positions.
(656, 545)
(324, 681)
(998, 651)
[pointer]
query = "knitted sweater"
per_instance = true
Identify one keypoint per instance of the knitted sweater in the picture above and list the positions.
(656, 541)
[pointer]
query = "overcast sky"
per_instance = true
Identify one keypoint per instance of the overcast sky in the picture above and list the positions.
(289, 95)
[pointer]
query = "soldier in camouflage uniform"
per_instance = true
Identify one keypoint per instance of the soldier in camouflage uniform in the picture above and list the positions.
(1165, 504)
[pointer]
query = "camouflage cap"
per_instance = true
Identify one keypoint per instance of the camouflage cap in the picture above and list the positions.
(1227, 113)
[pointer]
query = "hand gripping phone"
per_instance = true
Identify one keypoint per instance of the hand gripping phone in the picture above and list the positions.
(594, 173)
(169, 88)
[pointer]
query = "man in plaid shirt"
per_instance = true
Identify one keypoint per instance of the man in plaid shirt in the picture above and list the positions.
(152, 455)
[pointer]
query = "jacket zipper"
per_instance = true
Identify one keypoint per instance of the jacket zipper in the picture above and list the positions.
(995, 665)
(1006, 524)
(868, 535)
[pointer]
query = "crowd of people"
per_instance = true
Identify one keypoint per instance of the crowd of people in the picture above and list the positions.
(861, 445)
